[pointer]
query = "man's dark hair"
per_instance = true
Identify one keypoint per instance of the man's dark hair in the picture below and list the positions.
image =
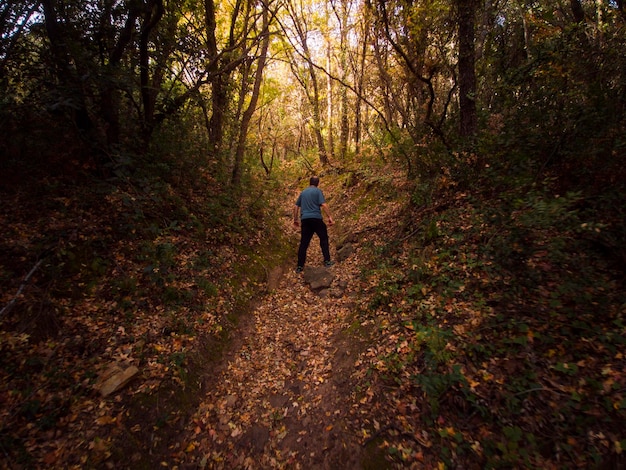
(314, 181)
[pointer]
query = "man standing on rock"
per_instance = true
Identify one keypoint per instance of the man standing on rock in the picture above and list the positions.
(310, 204)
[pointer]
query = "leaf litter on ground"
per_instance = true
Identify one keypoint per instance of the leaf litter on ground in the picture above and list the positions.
(286, 397)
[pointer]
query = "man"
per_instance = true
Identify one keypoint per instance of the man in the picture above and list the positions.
(310, 205)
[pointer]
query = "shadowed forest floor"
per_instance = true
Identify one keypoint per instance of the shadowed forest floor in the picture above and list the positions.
(285, 395)
(292, 390)
(473, 331)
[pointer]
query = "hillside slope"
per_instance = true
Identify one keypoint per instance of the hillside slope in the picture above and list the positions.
(499, 324)
(469, 328)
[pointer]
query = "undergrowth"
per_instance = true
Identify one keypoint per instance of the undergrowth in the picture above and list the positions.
(152, 267)
(502, 326)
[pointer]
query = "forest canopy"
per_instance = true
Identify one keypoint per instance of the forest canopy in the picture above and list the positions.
(231, 81)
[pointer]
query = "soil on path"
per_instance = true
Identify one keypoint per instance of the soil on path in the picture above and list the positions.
(284, 396)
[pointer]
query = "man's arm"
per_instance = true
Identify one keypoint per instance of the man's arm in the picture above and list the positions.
(296, 219)
(326, 211)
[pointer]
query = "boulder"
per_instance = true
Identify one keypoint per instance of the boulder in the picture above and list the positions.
(318, 277)
(344, 237)
(344, 252)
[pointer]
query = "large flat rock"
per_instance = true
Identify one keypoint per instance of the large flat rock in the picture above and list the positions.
(318, 277)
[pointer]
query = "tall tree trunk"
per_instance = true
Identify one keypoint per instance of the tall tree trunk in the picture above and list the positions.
(153, 13)
(467, 71)
(312, 91)
(314, 99)
(359, 72)
(247, 115)
(110, 93)
(219, 104)
(329, 104)
(218, 97)
(343, 91)
(317, 120)
(577, 11)
(219, 77)
(527, 38)
(65, 66)
(385, 81)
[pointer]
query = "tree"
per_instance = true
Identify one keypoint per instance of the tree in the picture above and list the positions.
(15, 16)
(66, 65)
(297, 34)
(342, 13)
(420, 46)
(219, 71)
(151, 86)
(358, 60)
(254, 97)
(466, 10)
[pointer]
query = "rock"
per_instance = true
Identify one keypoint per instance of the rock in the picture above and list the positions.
(115, 378)
(344, 238)
(344, 252)
(318, 277)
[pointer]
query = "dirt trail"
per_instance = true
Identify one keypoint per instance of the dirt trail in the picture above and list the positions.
(284, 397)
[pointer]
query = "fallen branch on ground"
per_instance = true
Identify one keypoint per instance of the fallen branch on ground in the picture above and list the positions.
(7, 308)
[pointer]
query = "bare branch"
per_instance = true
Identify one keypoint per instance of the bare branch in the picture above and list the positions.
(7, 308)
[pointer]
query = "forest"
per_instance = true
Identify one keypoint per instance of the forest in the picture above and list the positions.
(473, 155)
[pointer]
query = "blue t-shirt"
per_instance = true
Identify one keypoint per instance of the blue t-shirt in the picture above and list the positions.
(309, 203)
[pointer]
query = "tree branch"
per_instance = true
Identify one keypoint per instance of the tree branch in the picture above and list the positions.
(7, 308)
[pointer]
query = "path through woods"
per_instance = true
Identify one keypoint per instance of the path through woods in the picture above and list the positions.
(285, 395)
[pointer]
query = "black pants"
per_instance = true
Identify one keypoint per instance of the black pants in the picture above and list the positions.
(310, 227)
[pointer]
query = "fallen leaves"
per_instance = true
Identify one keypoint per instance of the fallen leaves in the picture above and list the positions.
(116, 289)
(439, 361)
(283, 377)
(538, 362)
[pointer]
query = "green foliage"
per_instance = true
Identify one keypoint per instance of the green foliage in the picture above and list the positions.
(431, 232)
(434, 340)
(516, 308)
(423, 193)
(505, 301)
(556, 109)
(209, 288)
